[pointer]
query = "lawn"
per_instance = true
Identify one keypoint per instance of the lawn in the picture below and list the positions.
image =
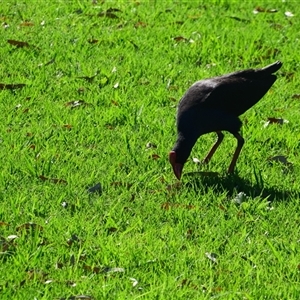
(90, 207)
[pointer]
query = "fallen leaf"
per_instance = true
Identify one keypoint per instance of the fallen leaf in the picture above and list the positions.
(188, 283)
(109, 14)
(58, 180)
(212, 257)
(140, 24)
(18, 44)
(4, 224)
(259, 9)
(150, 145)
(96, 188)
(93, 41)
(5, 25)
(196, 160)
(72, 239)
(67, 126)
(115, 103)
(111, 230)
(27, 24)
(296, 96)
(134, 281)
(272, 120)
(4, 86)
(180, 39)
(239, 19)
(112, 9)
(155, 156)
(76, 103)
(289, 14)
(12, 237)
(30, 226)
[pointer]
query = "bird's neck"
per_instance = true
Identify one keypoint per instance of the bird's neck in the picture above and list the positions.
(183, 147)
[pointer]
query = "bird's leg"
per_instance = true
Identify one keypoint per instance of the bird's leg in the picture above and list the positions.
(214, 147)
(240, 143)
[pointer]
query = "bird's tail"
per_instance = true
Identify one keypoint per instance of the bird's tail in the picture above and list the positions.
(272, 68)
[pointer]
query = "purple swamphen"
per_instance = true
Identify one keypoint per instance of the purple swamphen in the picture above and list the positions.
(213, 105)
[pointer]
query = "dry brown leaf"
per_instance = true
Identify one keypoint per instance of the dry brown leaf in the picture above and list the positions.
(150, 145)
(188, 283)
(272, 120)
(4, 224)
(110, 126)
(18, 44)
(260, 9)
(155, 156)
(58, 181)
(30, 226)
(115, 103)
(27, 24)
(93, 41)
(76, 103)
(111, 230)
(296, 96)
(180, 39)
(67, 126)
(109, 13)
(140, 24)
(112, 9)
(4, 86)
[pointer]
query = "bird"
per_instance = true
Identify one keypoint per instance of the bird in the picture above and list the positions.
(214, 105)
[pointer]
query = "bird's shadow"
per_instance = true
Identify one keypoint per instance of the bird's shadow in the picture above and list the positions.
(233, 184)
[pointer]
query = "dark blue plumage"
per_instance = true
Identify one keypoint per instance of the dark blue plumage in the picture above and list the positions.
(213, 105)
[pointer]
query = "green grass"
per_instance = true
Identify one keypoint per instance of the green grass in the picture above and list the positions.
(141, 224)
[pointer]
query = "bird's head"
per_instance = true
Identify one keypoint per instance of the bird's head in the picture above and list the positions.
(177, 166)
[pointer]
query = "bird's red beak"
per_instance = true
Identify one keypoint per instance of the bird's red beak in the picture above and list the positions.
(177, 167)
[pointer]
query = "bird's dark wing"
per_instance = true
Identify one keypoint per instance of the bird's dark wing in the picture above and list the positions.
(236, 95)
